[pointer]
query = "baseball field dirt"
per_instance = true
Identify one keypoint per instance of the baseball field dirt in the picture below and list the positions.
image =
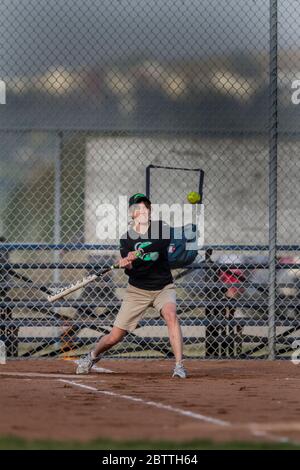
(135, 400)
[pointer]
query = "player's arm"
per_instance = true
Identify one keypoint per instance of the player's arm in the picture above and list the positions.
(124, 261)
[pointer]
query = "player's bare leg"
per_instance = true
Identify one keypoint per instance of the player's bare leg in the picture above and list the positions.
(85, 364)
(108, 341)
(168, 312)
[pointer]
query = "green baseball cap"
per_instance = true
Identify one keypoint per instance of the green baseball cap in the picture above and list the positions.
(137, 198)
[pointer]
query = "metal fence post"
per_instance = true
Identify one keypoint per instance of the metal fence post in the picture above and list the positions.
(273, 140)
(57, 205)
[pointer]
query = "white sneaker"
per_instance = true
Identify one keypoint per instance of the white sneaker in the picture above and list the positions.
(179, 371)
(85, 363)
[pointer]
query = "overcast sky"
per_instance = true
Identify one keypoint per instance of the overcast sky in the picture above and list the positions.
(36, 34)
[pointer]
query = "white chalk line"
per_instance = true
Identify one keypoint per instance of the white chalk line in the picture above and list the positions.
(102, 370)
(38, 375)
(190, 414)
(161, 406)
(282, 439)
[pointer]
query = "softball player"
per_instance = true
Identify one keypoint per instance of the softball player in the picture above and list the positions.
(144, 255)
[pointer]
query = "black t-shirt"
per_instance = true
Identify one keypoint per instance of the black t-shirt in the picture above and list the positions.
(153, 271)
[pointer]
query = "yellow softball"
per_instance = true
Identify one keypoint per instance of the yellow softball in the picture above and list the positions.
(193, 197)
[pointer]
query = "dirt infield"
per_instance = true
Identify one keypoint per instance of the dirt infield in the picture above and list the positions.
(138, 400)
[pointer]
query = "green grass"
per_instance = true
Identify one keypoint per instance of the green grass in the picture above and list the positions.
(15, 443)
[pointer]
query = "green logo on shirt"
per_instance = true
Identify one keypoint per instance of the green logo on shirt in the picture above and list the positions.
(147, 256)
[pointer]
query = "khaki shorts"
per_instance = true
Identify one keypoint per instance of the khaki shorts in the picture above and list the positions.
(136, 301)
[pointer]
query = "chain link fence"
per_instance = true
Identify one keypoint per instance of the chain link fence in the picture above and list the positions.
(98, 91)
